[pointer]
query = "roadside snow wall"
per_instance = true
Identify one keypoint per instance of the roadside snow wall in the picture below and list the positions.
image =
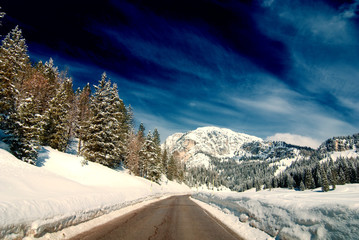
(292, 215)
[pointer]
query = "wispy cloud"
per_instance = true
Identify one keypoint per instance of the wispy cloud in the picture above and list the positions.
(295, 140)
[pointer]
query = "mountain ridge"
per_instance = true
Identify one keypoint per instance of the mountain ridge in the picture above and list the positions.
(197, 146)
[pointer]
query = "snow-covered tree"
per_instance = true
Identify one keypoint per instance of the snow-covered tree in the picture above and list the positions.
(165, 161)
(105, 140)
(120, 123)
(309, 181)
(55, 125)
(151, 160)
(324, 179)
(301, 186)
(26, 132)
(13, 62)
(84, 113)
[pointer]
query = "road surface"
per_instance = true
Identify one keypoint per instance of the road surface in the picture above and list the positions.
(174, 218)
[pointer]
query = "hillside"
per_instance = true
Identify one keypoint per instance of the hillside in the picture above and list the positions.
(61, 191)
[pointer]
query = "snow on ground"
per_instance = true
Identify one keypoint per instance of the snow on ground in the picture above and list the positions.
(353, 153)
(61, 192)
(233, 222)
(290, 214)
(282, 165)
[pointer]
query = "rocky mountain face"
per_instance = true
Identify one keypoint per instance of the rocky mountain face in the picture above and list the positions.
(198, 146)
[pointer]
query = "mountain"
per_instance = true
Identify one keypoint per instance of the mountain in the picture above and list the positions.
(197, 147)
(221, 157)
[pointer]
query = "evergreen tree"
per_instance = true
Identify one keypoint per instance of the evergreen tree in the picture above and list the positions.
(172, 168)
(164, 161)
(152, 162)
(342, 178)
(324, 179)
(141, 131)
(26, 132)
(56, 124)
(141, 138)
(103, 133)
(157, 144)
(301, 186)
(309, 181)
(13, 62)
(84, 113)
(120, 123)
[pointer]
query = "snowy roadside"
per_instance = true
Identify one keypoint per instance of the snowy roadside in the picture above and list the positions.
(289, 214)
(62, 192)
(232, 221)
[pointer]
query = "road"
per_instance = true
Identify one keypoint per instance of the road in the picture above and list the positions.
(174, 218)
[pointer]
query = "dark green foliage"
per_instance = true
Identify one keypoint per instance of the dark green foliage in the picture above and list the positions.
(301, 186)
(56, 124)
(152, 161)
(324, 182)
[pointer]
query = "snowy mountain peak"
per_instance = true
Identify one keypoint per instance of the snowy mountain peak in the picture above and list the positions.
(197, 146)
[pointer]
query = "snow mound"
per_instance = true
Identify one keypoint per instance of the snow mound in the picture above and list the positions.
(62, 192)
(289, 214)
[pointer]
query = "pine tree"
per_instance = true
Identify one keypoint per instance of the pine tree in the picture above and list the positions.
(152, 162)
(172, 168)
(13, 62)
(290, 181)
(84, 113)
(157, 144)
(141, 131)
(56, 124)
(301, 186)
(26, 132)
(120, 123)
(103, 140)
(97, 144)
(324, 179)
(165, 161)
(309, 181)
(342, 177)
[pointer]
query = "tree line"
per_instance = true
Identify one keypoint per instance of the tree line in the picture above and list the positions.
(39, 107)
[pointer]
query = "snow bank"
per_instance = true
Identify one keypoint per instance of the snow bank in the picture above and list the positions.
(233, 222)
(289, 214)
(61, 192)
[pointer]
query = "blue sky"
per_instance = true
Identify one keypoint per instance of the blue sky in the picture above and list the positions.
(274, 68)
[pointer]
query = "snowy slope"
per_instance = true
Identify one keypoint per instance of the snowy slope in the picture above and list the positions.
(289, 214)
(62, 192)
(196, 147)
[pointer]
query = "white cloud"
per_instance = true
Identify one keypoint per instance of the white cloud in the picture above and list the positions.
(273, 104)
(350, 10)
(295, 140)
